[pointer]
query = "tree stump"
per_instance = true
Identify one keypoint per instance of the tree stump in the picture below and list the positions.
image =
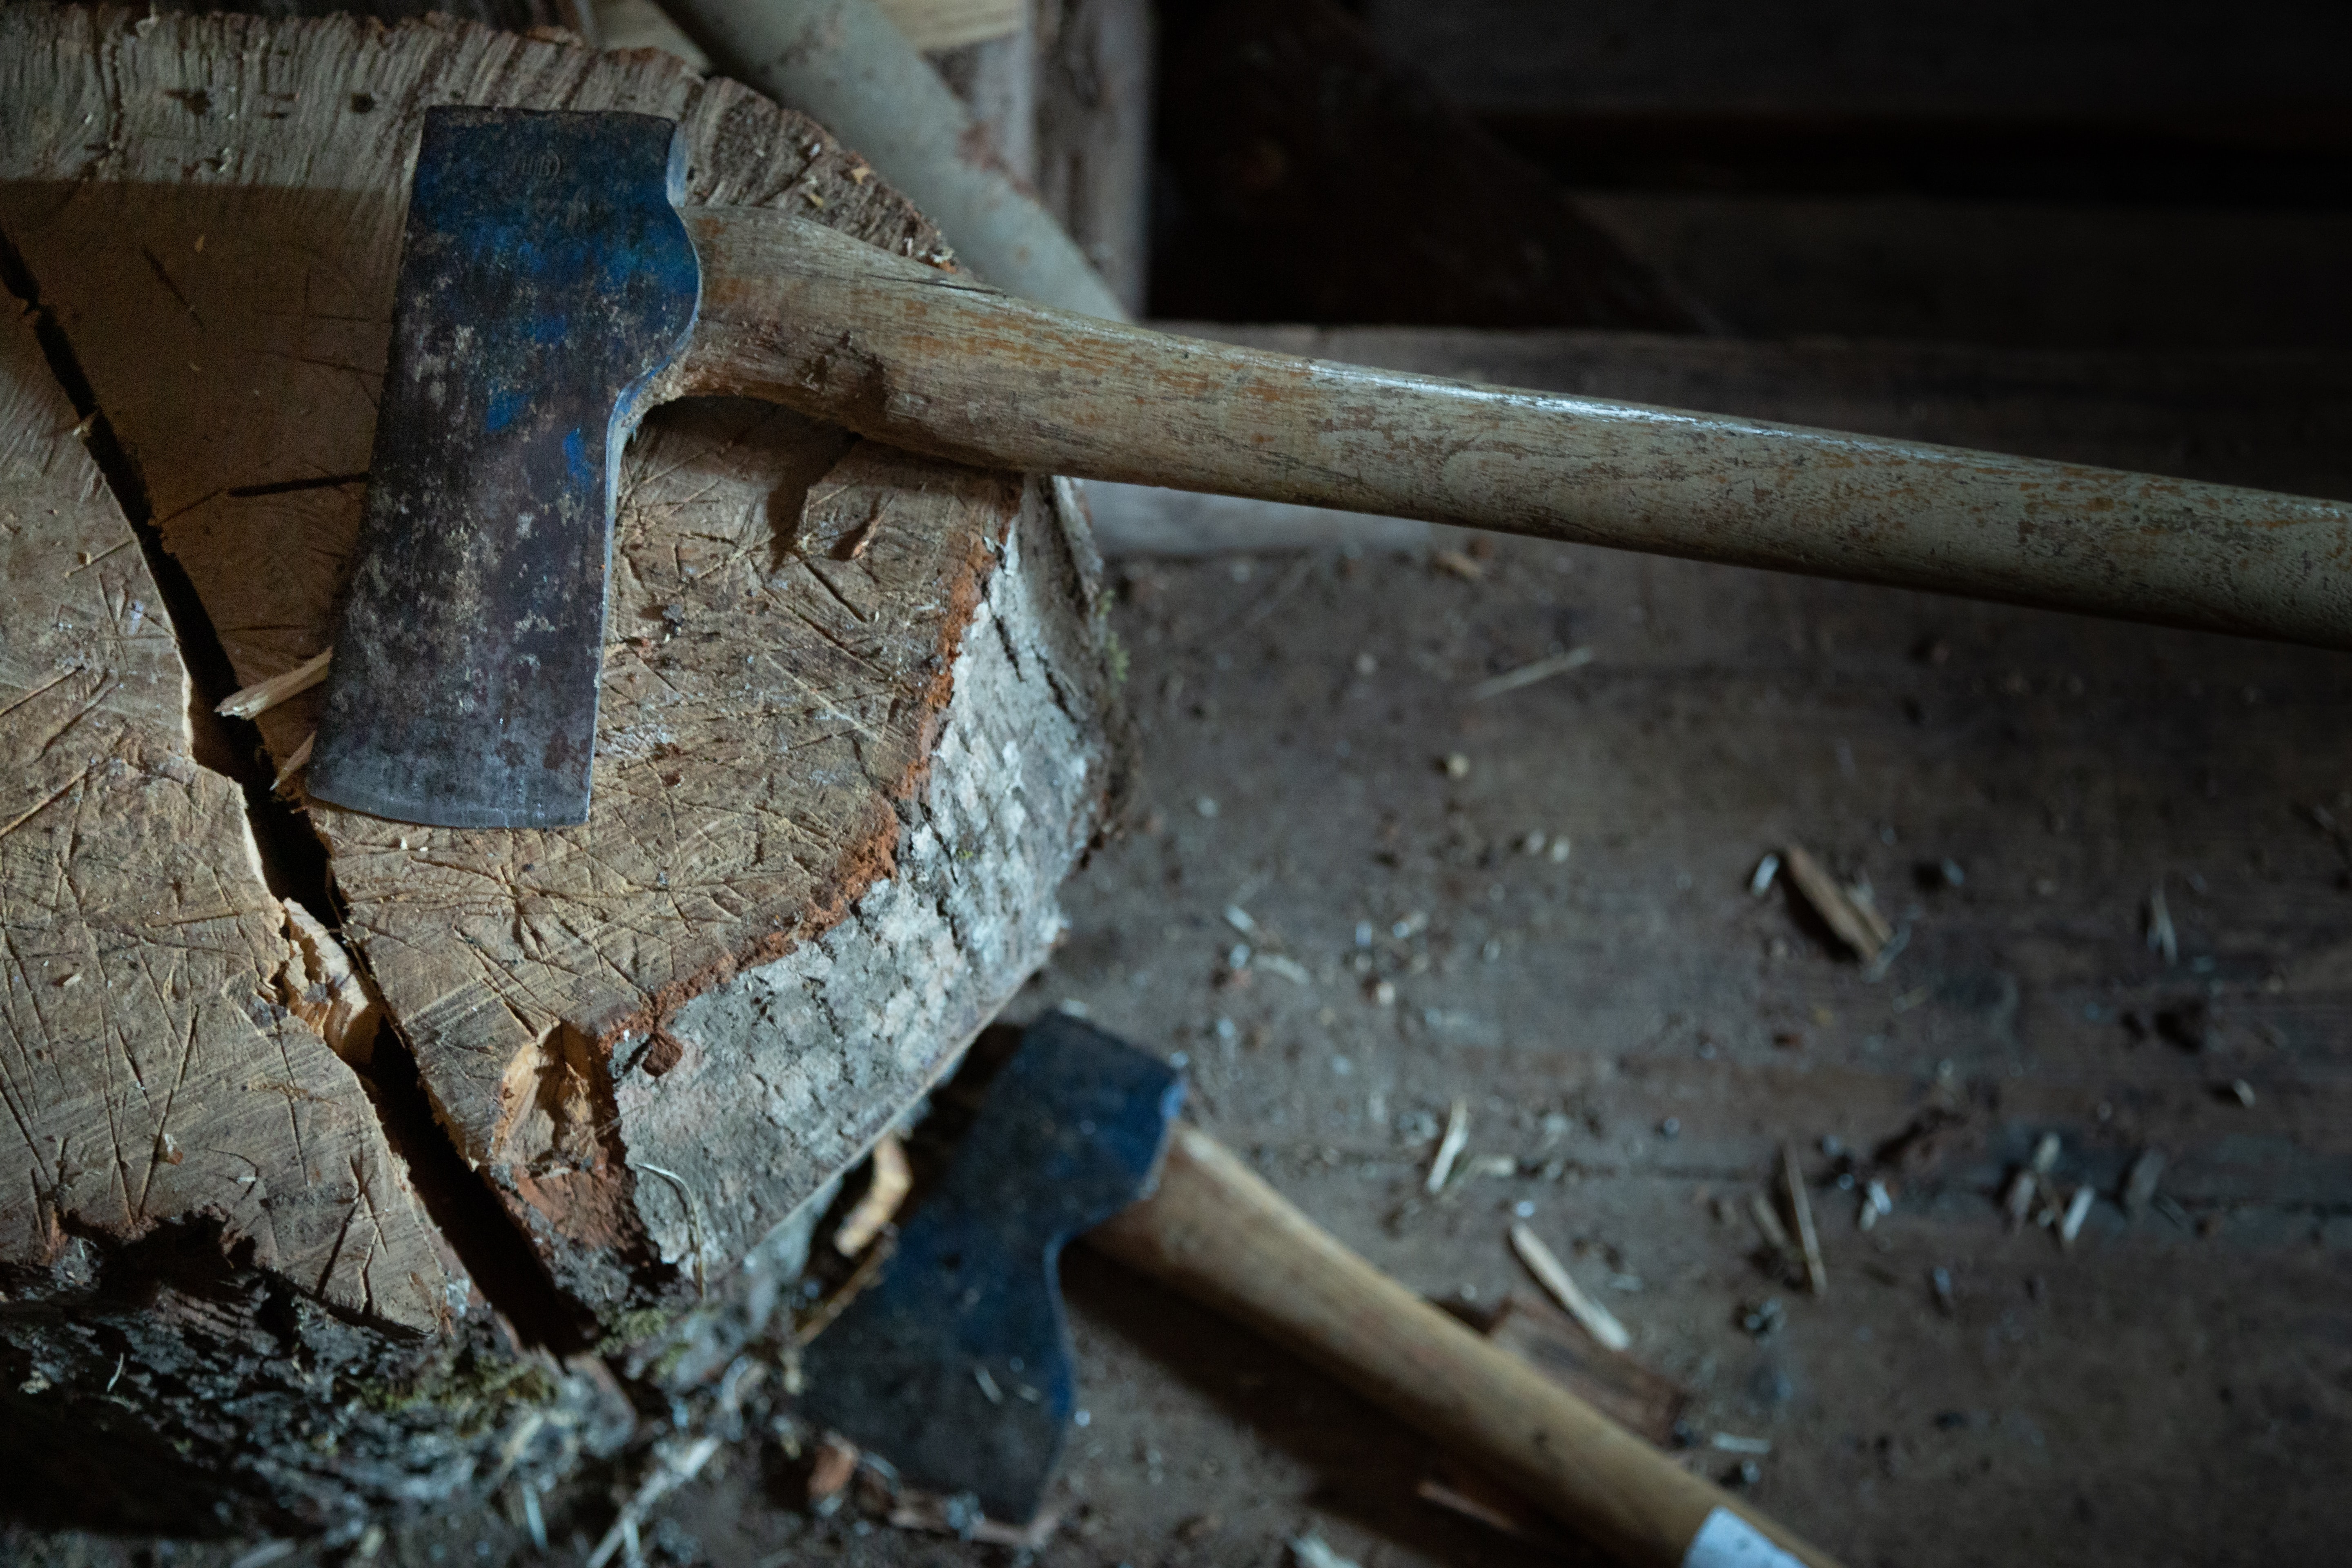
(853, 736)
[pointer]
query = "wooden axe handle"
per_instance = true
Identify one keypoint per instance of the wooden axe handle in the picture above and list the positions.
(932, 361)
(1217, 1232)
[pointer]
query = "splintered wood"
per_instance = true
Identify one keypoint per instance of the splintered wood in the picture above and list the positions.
(885, 1191)
(1449, 1147)
(1800, 1209)
(851, 719)
(206, 1233)
(1553, 1276)
(252, 702)
(1855, 922)
(152, 1074)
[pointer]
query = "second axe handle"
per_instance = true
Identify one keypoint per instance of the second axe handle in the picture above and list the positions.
(1217, 1232)
(933, 361)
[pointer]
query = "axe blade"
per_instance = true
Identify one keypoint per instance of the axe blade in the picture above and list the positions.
(545, 277)
(955, 1365)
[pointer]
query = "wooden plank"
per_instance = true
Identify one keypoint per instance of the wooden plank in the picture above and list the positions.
(2077, 1404)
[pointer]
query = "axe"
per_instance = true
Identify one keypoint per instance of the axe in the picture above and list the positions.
(955, 1362)
(550, 289)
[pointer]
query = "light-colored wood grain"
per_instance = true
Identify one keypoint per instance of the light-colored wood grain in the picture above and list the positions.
(152, 1071)
(834, 796)
(933, 361)
(223, 1293)
(1217, 1232)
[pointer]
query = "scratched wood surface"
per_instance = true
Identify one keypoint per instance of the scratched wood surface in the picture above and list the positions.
(150, 1068)
(196, 1197)
(852, 731)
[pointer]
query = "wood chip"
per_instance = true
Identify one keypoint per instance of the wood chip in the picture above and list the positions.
(675, 1465)
(2018, 1202)
(1768, 1223)
(1817, 1274)
(945, 1516)
(1290, 969)
(2140, 1181)
(1855, 922)
(2078, 1209)
(1528, 674)
(2161, 938)
(820, 1318)
(251, 702)
(1554, 1276)
(295, 764)
(1311, 1551)
(1449, 1148)
(829, 1475)
(321, 986)
(1494, 1514)
(1459, 564)
(884, 1193)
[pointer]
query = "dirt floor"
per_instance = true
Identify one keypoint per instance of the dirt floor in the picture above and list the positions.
(1344, 904)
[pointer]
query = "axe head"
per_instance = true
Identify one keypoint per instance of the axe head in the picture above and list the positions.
(955, 1365)
(544, 279)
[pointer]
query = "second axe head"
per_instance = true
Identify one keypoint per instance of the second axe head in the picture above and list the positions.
(955, 1363)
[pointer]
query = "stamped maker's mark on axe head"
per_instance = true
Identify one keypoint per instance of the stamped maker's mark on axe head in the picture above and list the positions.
(955, 1365)
(545, 277)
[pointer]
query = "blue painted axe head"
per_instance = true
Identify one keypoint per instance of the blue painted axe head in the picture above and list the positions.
(955, 1365)
(545, 279)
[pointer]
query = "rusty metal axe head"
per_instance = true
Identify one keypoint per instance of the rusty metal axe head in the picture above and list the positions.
(545, 279)
(955, 1365)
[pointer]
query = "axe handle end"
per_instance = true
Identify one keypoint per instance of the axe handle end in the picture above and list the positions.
(1219, 1234)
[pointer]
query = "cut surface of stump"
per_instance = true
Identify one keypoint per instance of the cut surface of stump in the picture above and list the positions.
(200, 1212)
(850, 734)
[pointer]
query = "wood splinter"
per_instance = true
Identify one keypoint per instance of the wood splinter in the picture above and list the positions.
(252, 702)
(1553, 1276)
(1800, 1209)
(888, 1189)
(1855, 922)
